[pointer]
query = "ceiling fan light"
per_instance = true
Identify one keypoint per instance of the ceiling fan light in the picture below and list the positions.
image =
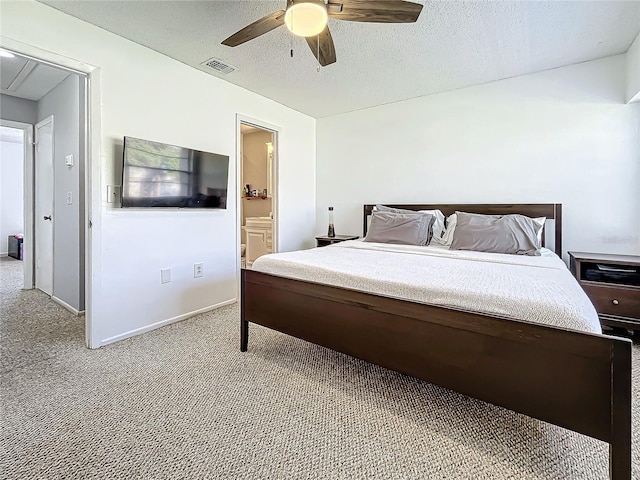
(306, 19)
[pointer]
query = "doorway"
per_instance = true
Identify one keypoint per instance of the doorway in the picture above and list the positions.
(257, 160)
(53, 100)
(15, 145)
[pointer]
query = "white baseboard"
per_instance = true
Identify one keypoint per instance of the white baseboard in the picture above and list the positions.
(4, 254)
(162, 323)
(75, 311)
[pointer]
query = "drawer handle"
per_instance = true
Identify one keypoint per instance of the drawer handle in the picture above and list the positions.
(615, 302)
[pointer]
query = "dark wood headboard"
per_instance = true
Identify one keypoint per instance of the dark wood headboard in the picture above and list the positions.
(553, 211)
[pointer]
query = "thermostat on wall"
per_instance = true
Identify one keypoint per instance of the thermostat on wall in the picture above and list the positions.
(68, 160)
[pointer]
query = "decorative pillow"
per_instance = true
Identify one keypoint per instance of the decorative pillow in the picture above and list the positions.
(399, 228)
(512, 234)
(438, 223)
(447, 234)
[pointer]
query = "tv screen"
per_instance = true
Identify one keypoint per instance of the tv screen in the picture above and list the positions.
(159, 175)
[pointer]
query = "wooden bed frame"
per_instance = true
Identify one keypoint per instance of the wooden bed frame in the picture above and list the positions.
(579, 381)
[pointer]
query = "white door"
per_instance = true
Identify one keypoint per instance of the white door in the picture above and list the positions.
(44, 205)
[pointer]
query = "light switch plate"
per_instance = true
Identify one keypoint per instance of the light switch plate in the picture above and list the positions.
(165, 275)
(113, 193)
(68, 160)
(69, 198)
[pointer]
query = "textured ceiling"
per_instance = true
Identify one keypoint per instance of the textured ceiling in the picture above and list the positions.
(452, 45)
(24, 78)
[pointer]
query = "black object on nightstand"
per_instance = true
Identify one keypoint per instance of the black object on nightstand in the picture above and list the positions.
(323, 240)
(612, 282)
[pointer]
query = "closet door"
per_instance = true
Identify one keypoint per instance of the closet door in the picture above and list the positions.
(44, 214)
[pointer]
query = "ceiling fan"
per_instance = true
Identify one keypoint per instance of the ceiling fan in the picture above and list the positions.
(308, 18)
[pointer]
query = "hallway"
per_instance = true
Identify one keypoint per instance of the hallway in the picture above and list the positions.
(33, 328)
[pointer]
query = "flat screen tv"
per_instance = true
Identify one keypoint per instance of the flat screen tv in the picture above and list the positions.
(160, 175)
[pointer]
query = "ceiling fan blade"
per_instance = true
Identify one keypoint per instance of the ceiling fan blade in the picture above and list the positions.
(327, 49)
(377, 11)
(257, 28)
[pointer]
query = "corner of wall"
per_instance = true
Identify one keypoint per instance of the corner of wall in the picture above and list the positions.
(633, 72)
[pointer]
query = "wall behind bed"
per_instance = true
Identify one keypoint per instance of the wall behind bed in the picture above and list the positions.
(563, 135)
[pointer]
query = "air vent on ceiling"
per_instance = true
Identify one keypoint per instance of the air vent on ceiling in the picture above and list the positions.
(219, 66)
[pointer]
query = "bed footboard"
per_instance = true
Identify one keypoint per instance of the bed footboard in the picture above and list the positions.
(575, 380)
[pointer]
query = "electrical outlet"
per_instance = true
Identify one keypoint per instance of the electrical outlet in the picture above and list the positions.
(198, 270)
(165, 275)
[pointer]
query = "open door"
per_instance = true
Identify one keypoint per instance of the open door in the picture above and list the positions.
(257, 199)
(44, 215)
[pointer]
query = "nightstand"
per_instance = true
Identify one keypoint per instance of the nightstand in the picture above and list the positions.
(323, 240)
(612, 282)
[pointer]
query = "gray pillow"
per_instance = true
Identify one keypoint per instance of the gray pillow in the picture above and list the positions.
(513, 234)
(383, 208)
(399, 228)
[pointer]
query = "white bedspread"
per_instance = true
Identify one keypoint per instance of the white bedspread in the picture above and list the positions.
(535, 289)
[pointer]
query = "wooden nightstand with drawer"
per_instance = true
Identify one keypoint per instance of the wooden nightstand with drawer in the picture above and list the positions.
(612, 282)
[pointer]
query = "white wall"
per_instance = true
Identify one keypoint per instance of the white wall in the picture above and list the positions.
(563, 135)
(147, 95)
(11, 191)
(18, 109)
(63, 102)
(633, 71)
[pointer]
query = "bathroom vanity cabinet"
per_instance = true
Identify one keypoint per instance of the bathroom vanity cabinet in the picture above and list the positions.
(259, 232)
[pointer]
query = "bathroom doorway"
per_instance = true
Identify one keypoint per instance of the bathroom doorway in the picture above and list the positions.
(258, 191)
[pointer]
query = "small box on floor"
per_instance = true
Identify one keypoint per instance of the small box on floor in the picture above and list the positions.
(15, 246)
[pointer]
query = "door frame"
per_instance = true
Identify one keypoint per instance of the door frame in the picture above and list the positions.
(276, 132)
(91, 150)
(32, 204)
(28, 264)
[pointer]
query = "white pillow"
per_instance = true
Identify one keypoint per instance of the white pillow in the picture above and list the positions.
(540, 221)
(446, 236)
(438, 224)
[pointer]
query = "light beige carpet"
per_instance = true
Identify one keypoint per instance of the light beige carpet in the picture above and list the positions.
(183, 402)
